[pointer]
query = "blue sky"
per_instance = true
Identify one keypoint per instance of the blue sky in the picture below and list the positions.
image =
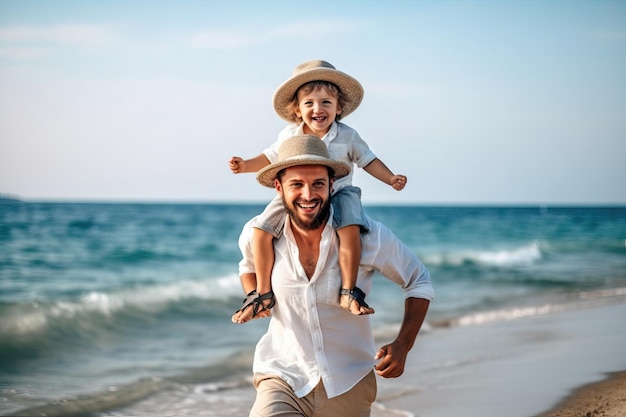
(477, 102)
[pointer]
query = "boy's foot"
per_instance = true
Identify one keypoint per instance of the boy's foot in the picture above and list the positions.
(354, 301)
(255, 306)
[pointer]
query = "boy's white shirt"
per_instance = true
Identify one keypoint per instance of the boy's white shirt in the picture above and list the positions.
(343, 143)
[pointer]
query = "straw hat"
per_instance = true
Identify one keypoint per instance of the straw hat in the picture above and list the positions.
(301, 150)
(317, 70)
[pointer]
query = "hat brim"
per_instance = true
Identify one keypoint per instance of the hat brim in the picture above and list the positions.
(348, 85)
(266, 176)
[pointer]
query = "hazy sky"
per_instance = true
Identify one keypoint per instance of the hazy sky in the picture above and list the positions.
(475, 101)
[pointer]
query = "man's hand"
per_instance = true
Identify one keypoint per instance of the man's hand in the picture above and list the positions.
(392, 359)
(393, 356)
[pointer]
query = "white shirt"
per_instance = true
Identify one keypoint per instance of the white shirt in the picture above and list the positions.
(310, 337)
(343, 143)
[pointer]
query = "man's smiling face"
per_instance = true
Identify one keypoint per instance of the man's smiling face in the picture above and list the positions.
(305, 191)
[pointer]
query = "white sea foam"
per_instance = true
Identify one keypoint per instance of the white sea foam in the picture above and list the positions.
(15, 322)
(583, 300)
(508, 314)
(523, 255)
(35, 317)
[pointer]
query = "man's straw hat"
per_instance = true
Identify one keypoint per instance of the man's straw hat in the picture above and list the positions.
(317, 70)
(297, 151)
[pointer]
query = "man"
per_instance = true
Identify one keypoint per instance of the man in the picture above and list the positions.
(316, 360)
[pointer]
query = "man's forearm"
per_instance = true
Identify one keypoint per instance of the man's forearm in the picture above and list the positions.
(392, 357)
(415, 310)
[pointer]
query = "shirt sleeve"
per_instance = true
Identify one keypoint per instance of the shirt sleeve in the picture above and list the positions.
(246, 265)
(360, 152)
(397, 262)
(271, 152)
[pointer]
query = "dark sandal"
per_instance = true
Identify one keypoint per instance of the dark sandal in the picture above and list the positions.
(355, 294)
(259, 306)
(254, 300)
(247, 302)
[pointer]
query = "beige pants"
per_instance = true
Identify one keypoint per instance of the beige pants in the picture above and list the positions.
(275, 398)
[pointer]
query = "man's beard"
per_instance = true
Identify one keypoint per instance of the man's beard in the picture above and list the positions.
(313, 224)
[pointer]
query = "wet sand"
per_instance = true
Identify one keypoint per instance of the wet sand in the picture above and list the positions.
(518, 368)
(606, 398)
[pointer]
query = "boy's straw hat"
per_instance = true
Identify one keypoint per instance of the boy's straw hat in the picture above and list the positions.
(317, 70)
(301, 150)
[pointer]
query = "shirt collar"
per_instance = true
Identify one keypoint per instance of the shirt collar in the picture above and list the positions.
(330, 135)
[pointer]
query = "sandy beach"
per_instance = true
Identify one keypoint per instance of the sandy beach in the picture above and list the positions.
(606, 398)
(521, 367)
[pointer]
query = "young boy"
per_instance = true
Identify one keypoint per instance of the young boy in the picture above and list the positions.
(313, 100)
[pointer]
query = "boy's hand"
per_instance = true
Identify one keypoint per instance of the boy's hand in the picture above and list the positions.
(236, 164)
(398, 182)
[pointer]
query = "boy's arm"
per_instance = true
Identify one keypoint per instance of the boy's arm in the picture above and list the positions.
(238, 165)
(379, 170)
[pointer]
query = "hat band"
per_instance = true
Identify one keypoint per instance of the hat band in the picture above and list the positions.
(303, 157)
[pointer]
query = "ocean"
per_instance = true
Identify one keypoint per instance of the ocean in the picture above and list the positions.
(124, 309)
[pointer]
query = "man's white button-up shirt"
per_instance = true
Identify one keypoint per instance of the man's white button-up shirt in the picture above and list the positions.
(310, 337)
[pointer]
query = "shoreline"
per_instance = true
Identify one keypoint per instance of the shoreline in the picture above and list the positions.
(567, 363)
(523, 367)
(606, 398)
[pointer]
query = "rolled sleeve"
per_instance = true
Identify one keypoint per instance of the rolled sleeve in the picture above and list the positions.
(365, 159)
(394, 260)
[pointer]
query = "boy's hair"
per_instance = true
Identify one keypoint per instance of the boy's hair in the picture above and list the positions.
(312, 86)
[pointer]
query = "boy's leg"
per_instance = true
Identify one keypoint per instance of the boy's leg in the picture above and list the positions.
(263, 253)
(248, 283)
(349, 260)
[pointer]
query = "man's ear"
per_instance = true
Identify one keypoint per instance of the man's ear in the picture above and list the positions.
(277, 185)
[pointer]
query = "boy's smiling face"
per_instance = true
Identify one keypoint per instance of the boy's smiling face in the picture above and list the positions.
(318, 109)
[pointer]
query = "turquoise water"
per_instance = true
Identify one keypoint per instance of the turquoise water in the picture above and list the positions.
(113, 301)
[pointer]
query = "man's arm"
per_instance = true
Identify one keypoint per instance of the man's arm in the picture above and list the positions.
(393, 356)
